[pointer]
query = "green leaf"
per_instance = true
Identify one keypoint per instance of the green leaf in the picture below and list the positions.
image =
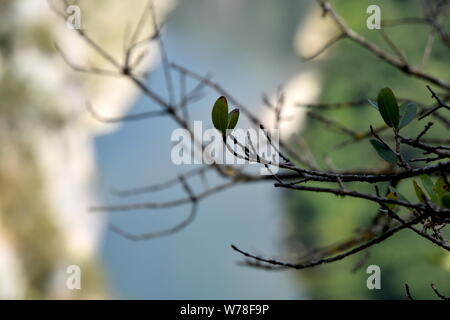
(440, 187)
(445, 200)
(373, 103)
(233, 118)
(429, 187)
(419, 192)
(388, 107)
(220, 114)
(408, 111)
(383, 151)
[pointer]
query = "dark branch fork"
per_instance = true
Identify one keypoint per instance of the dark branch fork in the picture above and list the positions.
(298, 169)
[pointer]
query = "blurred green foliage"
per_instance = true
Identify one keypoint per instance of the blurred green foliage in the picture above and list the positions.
(24, 213)
(318, 220)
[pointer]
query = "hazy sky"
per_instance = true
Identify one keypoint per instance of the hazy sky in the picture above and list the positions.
(247, 46)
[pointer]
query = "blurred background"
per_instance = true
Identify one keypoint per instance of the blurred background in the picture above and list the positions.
(56, 160)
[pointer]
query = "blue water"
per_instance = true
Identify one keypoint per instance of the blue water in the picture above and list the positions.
(247, 46)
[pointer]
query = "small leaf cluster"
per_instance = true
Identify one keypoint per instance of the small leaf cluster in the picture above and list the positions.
(437, 192)
(222, 120)
(395, 116)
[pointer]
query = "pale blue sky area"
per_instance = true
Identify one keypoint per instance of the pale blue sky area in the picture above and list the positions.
(247, 46)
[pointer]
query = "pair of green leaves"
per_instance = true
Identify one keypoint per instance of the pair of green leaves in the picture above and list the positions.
(394, 116)
(222, 120)
(438, 192)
